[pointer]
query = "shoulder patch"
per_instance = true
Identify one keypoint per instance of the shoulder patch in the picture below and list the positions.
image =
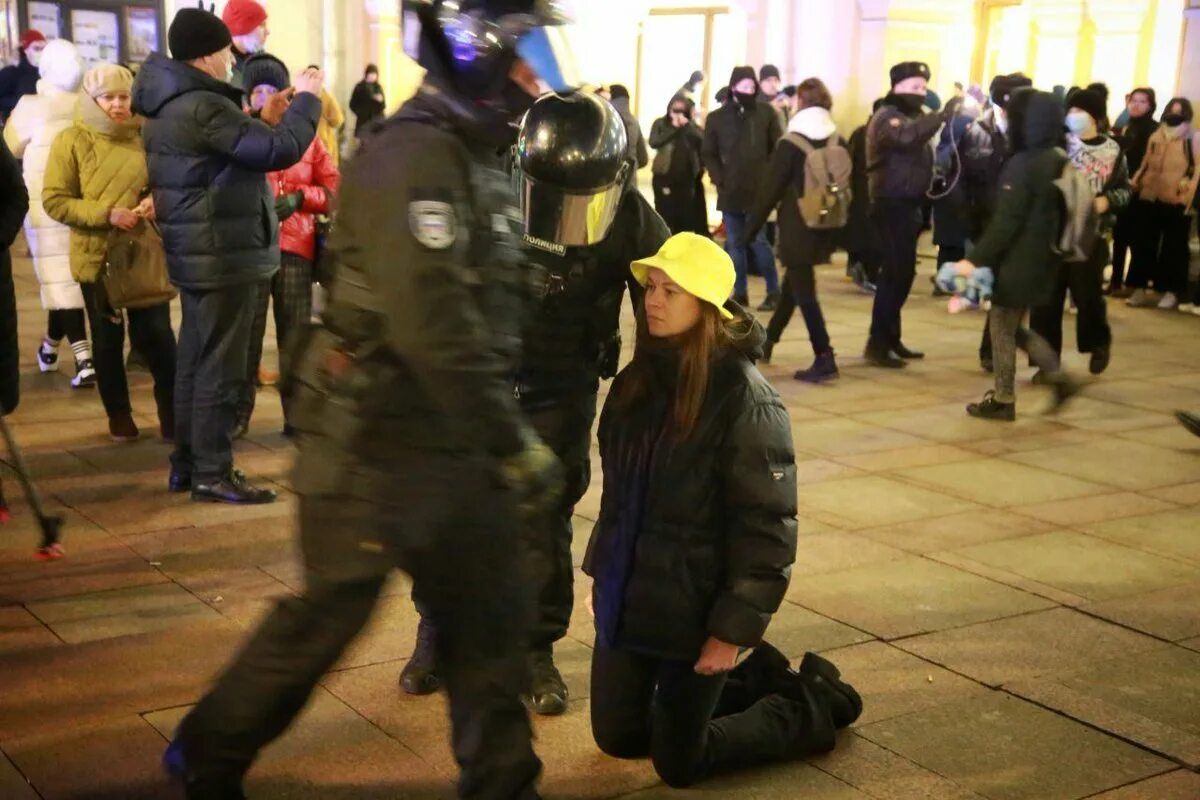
(433, 223)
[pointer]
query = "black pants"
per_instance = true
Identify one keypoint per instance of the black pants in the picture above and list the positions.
(662, 709)
(1092, 331)
(290, 293)
(66, 322)
(676, 204)
(210, 377)
(150, 334)
(564, 422)
(1160, 252)
(800, 291)
(898, 226)
(10, 356)
(467, 573)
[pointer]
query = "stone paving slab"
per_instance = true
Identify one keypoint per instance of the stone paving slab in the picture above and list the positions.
(1172, 613)
(884, 775)
(121, 612)
(1050, 642)
(1149, 698)
(1006, 749)
(1082, 510)
(767, 783)
(1117, 462)
(875, 500)
(14, 785)
(1177, 785)
(912, 595)
(955, 530)
(999, 483)
(1173, 533)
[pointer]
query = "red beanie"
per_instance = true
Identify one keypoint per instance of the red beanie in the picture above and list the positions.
(31, 37)
(242, 17)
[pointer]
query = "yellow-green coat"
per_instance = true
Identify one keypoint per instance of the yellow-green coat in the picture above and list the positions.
(95, 166)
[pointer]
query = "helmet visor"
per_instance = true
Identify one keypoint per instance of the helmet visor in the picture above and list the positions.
(558, 218)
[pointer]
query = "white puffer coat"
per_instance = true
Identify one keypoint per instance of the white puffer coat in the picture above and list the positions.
(35, 123)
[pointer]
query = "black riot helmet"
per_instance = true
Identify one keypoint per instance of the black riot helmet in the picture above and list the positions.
(473, 44)
(571, 156)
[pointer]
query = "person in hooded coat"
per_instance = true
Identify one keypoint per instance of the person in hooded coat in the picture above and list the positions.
(678, 166)
(21, 78)
(801, 248)
(1018, 245)
(696, 536)
(31, 130)
(367, 102)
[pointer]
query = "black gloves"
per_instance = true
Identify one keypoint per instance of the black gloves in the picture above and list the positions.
(288, 204)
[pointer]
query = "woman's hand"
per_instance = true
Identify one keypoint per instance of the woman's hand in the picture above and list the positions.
(716, 657)
(123, 218)
(145, 209)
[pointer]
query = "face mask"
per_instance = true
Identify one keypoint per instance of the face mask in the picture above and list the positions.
(1172, 120)
(909, 103)
(746, 101)
(34, 56)
(1078, 122)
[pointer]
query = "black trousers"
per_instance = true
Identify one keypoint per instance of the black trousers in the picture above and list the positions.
(799, 290)
(70, 323)
(564, 422)
(1092, 331)
(10, 356)
(676, 204)
(898, 226)
(289, 292)
(1160, 251)
(150, 334)
(467, 572)
(210, 377)
(686, 723)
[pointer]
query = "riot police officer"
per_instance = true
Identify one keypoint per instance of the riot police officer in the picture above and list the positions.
(584, 224)
(413, 450)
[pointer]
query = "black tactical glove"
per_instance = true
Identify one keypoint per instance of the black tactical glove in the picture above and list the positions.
(288, 204)
(536, 475)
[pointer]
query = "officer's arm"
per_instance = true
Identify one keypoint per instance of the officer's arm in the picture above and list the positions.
(900, 133)
(409, 215)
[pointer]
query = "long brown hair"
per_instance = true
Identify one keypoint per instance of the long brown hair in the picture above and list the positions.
(696, 349)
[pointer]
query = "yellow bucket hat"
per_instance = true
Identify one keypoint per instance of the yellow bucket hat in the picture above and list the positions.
(698, 264)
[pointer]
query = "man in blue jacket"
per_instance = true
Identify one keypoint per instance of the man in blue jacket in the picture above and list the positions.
(207, 161)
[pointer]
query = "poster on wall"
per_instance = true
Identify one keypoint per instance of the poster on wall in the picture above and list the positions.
(141, 32)
(45, 17)
(96, 36)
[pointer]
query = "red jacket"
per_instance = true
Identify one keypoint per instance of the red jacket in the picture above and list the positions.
(317, 178)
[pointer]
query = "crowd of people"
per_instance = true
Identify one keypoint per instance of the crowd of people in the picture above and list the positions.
(487, 236)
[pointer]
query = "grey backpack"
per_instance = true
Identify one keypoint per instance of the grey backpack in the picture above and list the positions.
(1080, 222)
(825, 204)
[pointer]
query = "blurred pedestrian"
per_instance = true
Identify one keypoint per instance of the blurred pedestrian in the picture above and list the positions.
(637, 155)
(31, 130)
(247, 23)
(21, 78)
(333, 119)
(14, 203)
(367, 102)
(302, 191)
(95, 182)
(221, 236)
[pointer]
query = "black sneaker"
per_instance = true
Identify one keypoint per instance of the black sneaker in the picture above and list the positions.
(233, 489)
(179, 481)
(824, 368)
(1099, 360)
(419, 676)
(547, 694)
(770, 303)
(882, 356)
(991, 408)
(85, 374)
(908, 355)
(845, 704)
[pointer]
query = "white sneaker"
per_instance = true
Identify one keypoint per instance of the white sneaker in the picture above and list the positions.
(47, 357)
(1186, 308)
(1169, 302)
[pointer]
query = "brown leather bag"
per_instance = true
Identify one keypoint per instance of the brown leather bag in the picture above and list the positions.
(135, 268)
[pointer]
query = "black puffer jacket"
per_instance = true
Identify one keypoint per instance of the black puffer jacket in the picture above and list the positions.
(899, 157)
(15, 82)
(14, 203)
(738, 143)
(695, 539)
(1018, 240)
(208, 162)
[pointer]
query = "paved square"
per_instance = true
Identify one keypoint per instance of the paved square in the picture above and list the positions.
(1016, 603)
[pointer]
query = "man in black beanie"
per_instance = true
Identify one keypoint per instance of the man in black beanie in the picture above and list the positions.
(637, 154)
(770, 86)
(207, 161)
(900, 168)
(738, 141)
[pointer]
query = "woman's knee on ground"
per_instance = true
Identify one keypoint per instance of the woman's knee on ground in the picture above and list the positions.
(620, 736)
(677, 770)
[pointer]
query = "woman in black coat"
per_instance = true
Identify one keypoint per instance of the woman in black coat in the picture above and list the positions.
(1019, 246)
(677, 167)
(692, 552)
(14, 203)
(367, 101)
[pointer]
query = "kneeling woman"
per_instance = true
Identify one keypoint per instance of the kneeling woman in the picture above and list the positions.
(697, 534)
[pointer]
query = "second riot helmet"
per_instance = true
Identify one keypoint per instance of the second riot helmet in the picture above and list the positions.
(571, 156)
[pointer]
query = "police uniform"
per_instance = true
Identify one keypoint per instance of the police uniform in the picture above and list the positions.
(404, 409)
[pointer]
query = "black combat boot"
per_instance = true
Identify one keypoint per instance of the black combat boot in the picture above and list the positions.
(908, 355)
(547, 694)
(233, 489)
(879, 354)
(823, 369)
(419, 675)
(1100, 358)
(845, 704)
